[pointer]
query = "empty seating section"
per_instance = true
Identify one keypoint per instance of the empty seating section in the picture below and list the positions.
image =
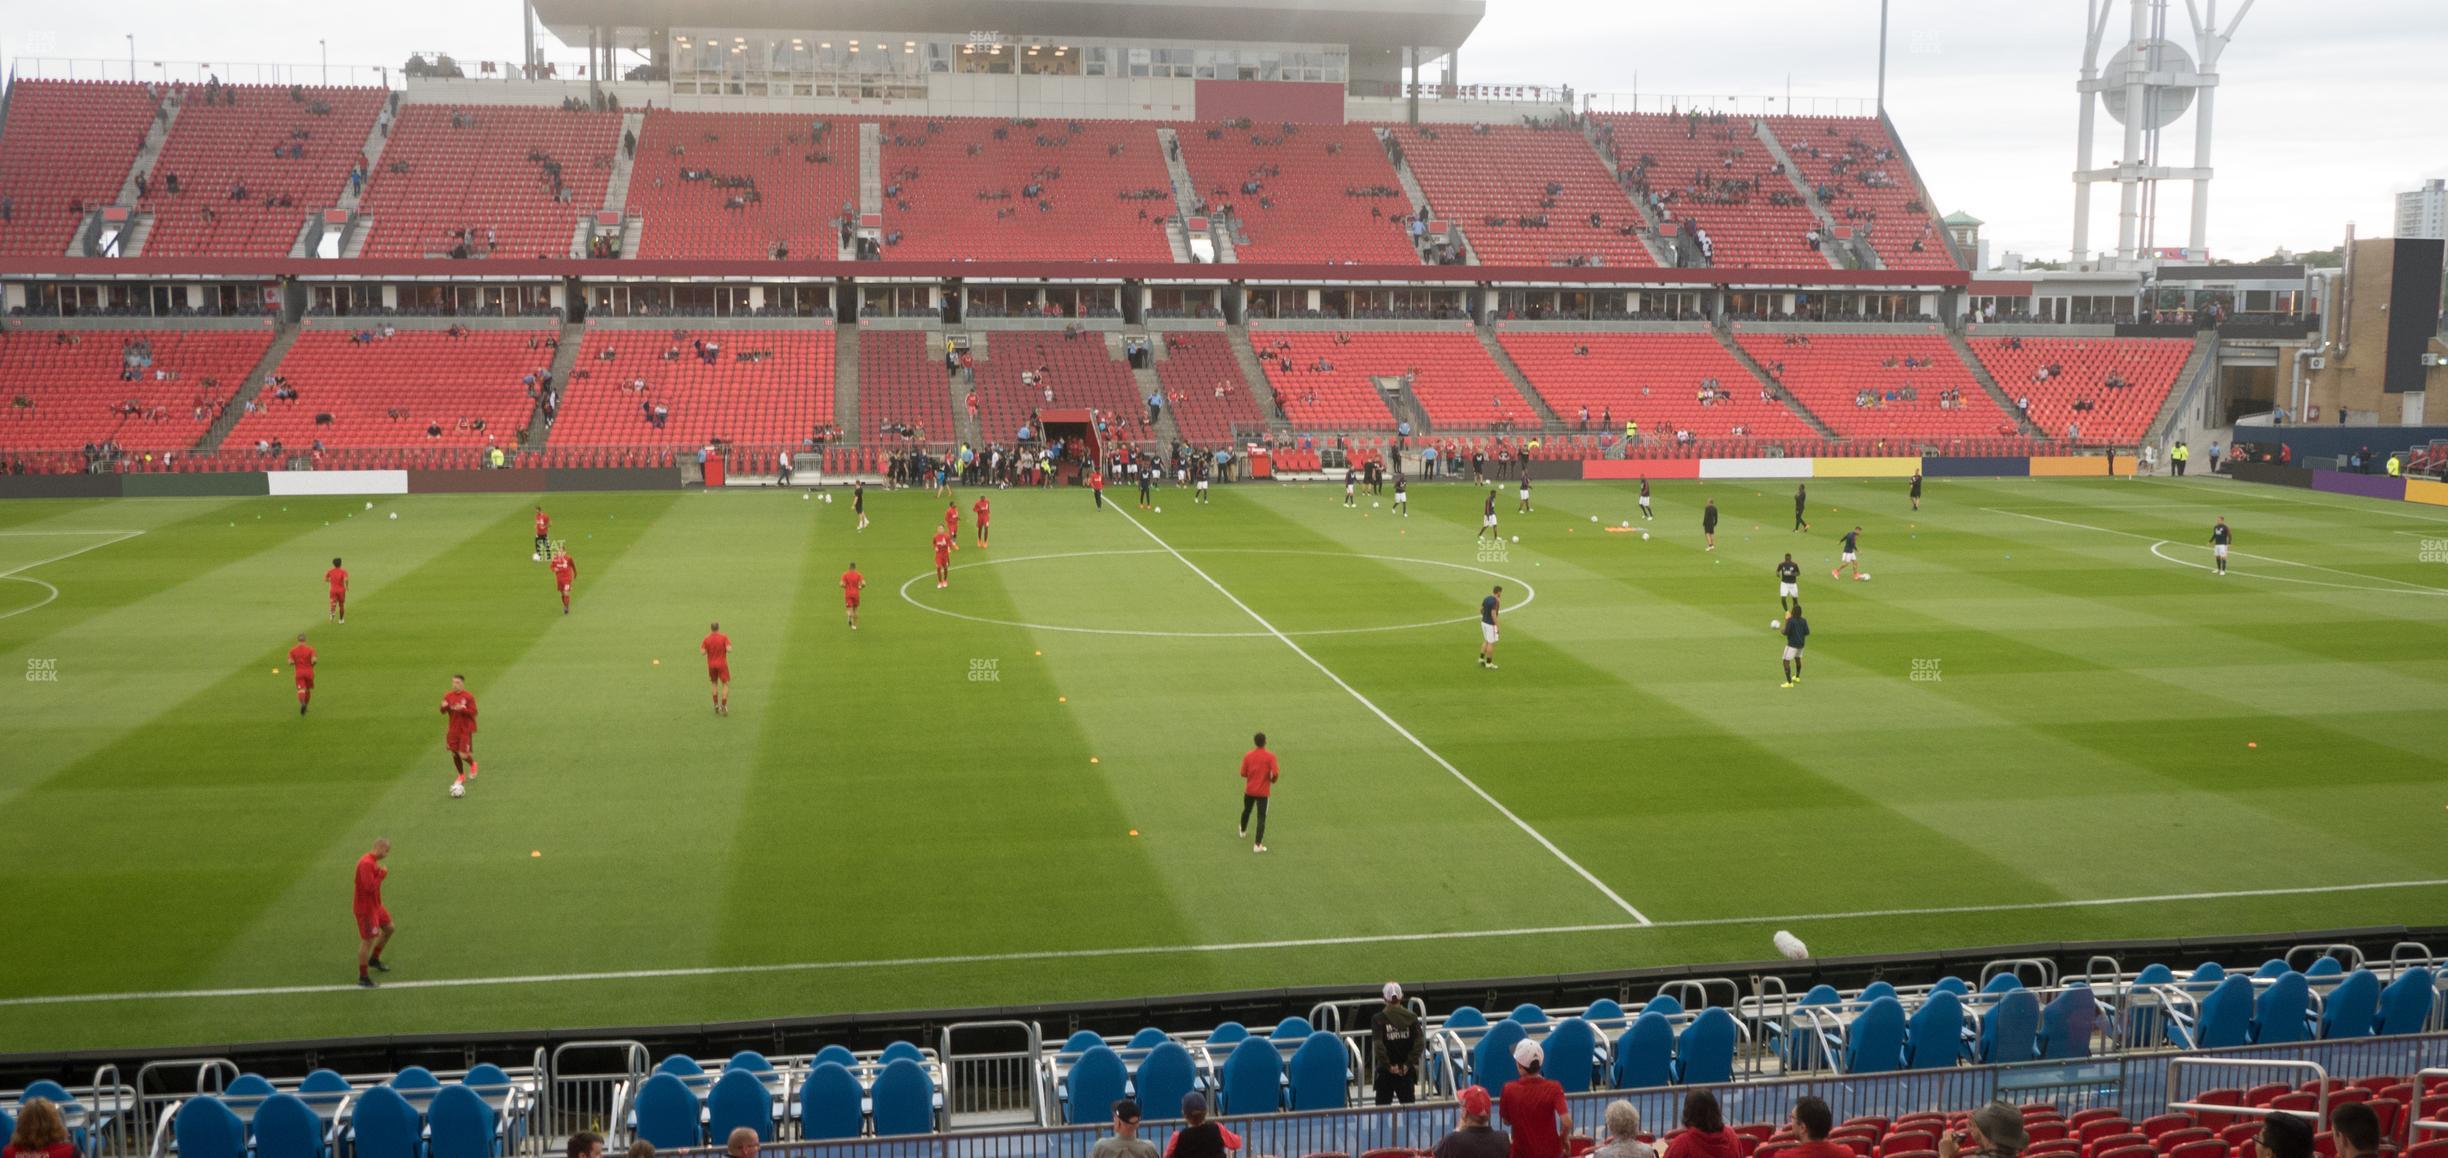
(1318, 182)
(1871, 180)
(67, 147)
(421, 388)
(1487, 181)
(1343, 393)
(217, 149)
(902, 383)
(2083, 368)
(1901, 387)
(1194, 368)
(1718, 174)
(957, 188)
(1080, 371)
(451, 173)
(804, 170)
(1653, 379)
(763, 388)
(63, 394)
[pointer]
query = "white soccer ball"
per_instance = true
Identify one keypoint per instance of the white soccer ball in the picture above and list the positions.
(1593, 518)
(828, 498)
(1864, 576)
(1644, 536)
(1373, 504)
(458, 790)
(1160, 510)
(395, 515)
(1626, 524)
(1776, 624)
(369, 504)
(537, 556)
(804, 497)
(1517, 538)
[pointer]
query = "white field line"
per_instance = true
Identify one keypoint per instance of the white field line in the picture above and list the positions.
(51, 593)
(1802, 919)
(1399, 730)
(2404, 586)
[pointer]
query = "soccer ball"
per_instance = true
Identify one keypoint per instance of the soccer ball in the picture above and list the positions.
(458, 790)
(1517, 538)
(369, 504)
(828, 498)
(1160, 510)
(1373, 505)
(804, 497)
(1864, 576)
(395, 516)
(1775, 624)
(1626, 524)
(537, 556)
(1644, 536)
(1593, 518)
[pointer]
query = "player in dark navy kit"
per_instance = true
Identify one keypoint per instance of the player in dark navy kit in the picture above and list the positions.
(1487, 521)
(1708, 523)
(1848, 559)
(1916, 490)
(1796, 629)
(1402, 497)
(858, 503)
(1351, 483)
(1646, 513)
(2220, 537)
(1801, 498)
(1789, 582)
(1488, 609)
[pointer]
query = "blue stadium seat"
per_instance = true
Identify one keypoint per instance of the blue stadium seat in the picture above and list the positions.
(2208, 973)
(2282, 1014)
(839, 1055)
(1252, 1081)
(8, 1123)
(902, 1051)
(1320, 1074)
(1603, 1010)
(286, 1127)
(1466, 1017)
(2272, 969)
(1229, 1033)
(1952, 984)
(1094, 1083)
(739, 1098)
(829, 1104)
(2002, 983)
(1705, 1052)
(668, 1113)
(1874, 991)
(1874, 1043)
(1644, 1054)
(48, 1090)
(1934, 1032)
(2067, 1023)
(414, 1078)
(386, 1125)
(1164, 1075)
(2352, 1008)
(2226, 1015)
(904, 1097)
(680, 1065)
(461, 1125)
(1572, 1055)
(2010, 1028)
(1149, 1038)
(484, 1076)
(205, 1128)
(2405, 1006)
(250, 1087)
(1802, 1046)
(1528, 1013)
(1664, 1003)
(2325, 967)
(746, 1059)
(1294, 1028)
(1492, 1059)
(1081, 1042)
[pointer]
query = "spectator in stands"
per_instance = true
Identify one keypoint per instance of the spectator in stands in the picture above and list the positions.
(1623, 1125)
(1474, 1138)
(1126, 1142)
(2356, 1129)
(742, 1143)
(1996, 1131)
(1705, 1134)
(1198, 1137)
(640, 1149)
(1811, 1122)
(1534, 1108)
(586, 1145)
(41, 1132)
(1395, 1033)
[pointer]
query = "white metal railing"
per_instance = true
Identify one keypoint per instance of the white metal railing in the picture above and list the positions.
(140, 68)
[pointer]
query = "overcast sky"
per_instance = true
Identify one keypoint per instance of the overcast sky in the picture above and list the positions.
(2327, 109)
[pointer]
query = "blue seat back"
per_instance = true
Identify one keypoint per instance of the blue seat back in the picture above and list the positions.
(1802, 1049)
(902, 1051)
(414, 1078)
(387, 1126)
(1492, 1059)
(2352, 1008)
(829, 1108)
(2010, 1029)
(2208, 973)
(839, 1055)
(323, 1090)
(1705, 1054)
(1528, 1013)
(680, 1065)
(1319, 1074)
(485, 1076)
(1229, 1033)
(750, 1060)
(1291, 1029)
(1874, 991)
(2405, 1006)
(2002, 983)
(1094, 1083)
(1466, 1017)
(1572, 1055)
(2282, 1013)
(904, 1097)
(207, 1129)
(250, 1086)
(2067, 1023)
(1082, 1042)
(1934, 1032)
(739, 1098)
(1164, 1075)
(1664, 1003)
(1252, 1081)
(286, 1127)
(1874, 1043)
(1644, 1054)
(2272, 969)
(1149, 1038)
(1603, 1009)
(2226, 1015)
(50, 1091)
(461, 1124)
(2325, 967)
(2154, 974)
(1952, 984)
(667, 1113)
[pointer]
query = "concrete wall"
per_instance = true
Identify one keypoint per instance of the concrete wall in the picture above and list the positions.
(2353, 380)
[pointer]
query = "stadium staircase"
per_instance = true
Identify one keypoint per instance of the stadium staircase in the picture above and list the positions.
(2200, 369)
(1921, 190)
(1650, 233)
(1766, 379)
(845, 381)
(1851, 253)
(1548, 419)
(565, 361)
(871, 169)
(140, 224)
(1185, 197)
(616, 192)
(1419, 196)
(1989, 382)
(376, 137)
(968, 426)
(1402, 404)
(1262, 390)
(247, 390)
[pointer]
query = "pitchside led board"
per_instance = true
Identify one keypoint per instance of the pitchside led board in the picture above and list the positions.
(2414, 312)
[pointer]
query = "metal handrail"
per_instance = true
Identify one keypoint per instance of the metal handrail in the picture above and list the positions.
(2317, 1115)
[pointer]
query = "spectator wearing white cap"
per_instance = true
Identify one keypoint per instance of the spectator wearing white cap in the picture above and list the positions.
(1396, 1033)
(1533, 1107)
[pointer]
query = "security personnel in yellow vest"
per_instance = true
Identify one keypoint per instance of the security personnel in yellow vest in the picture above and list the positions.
(2395, 466)
(2178, 455)
(1631, 430)
(497, 458)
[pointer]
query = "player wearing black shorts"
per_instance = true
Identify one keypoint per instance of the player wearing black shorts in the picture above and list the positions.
(1708, 523)
(1801, 498)
(1789, 582)
(1916, 490)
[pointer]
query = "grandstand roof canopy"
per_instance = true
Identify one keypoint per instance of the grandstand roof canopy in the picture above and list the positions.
(1377, 23)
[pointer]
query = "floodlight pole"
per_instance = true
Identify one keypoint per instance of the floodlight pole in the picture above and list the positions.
(1882, 75)
(527, 37)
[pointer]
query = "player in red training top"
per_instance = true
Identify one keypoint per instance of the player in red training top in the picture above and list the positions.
(460, 737)
(943, 559)
(983, 511)
(952, 522)
(373, 920)
(717, 649)
(301, 660)
(543, 532)
(565, 572)
(852, 584)
(1096, 486)
(337, 580)
(1258, 775)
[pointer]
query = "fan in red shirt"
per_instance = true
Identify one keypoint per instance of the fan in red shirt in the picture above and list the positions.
(460, 737)
(952, 523)
(852, 584)
(1096, 486)
(543, 532)
(1533, 1107)
(373, 920)
(982, 510)
(943, 559)
(565, 572)
(717, 649)
(301, 660)
(337, 580)
(1257, 783)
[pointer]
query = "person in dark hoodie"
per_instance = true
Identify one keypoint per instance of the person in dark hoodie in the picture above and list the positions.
(1198, 1137)
(1705, 1134)
(1474, 1138)
(1396, 1034)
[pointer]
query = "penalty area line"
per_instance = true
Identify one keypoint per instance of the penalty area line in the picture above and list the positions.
(1024, 956)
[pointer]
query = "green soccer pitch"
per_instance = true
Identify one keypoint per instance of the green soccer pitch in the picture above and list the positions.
(2044, 718)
